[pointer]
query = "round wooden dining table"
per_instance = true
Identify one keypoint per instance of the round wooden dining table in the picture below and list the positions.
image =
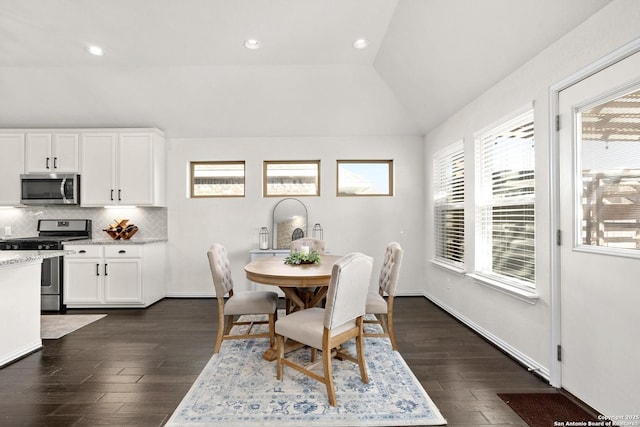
(290, 278)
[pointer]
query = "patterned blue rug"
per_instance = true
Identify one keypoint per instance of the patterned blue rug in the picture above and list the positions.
(239, 388)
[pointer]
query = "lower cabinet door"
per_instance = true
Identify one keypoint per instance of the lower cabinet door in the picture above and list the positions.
(123, 280)
(83, 281)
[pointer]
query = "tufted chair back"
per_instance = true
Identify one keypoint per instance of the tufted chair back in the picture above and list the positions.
(314, 244)
(347, 294)
(220, 270)
(390, 270)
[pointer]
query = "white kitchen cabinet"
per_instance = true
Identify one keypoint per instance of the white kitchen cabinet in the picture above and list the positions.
(124, 275)
(123, 168)
(83, 279)
(11, 166)
(52, 152)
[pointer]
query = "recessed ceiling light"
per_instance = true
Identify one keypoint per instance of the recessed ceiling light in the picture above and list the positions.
(253, 44)
(360, 43)
(95, 50)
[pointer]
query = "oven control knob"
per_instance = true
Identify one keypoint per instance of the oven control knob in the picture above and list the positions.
(14, 247)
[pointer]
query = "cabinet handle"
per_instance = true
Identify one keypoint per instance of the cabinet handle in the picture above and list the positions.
(82, 251)
(119, 195)
(105, 270)
(122, 251)
(97, 269)
(55, 163)
(112, 194)
(47, 165)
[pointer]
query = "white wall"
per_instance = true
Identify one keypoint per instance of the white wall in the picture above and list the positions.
(363, 224)
(521, 328)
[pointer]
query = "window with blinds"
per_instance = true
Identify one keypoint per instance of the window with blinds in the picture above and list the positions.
(217, 179)
(448, 205)
(505, 215)
(608, 136)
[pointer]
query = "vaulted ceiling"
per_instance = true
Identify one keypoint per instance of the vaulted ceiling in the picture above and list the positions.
(182, 66)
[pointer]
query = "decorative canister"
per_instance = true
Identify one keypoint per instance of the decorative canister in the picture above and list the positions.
(264, 238)
(316, 233)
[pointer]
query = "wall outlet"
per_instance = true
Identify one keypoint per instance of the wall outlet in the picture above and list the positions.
(7, 230)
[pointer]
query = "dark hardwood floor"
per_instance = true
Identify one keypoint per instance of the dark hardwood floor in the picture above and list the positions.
(134, 366)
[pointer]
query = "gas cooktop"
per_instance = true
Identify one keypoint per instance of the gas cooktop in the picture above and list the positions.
(52, 233)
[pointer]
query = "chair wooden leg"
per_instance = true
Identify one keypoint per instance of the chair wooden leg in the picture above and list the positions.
(228, 324)
(361, 362)
(216, 347)
(280, 357)
(272, 328)
(391, 331)
(328, 376)
(360, 352)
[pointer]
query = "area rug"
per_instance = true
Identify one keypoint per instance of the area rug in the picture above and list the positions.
(54, 326)
(238, 388)
(546, 409)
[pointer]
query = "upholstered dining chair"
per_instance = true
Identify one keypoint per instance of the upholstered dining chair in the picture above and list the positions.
(326, 329)
(377, 304)
(238, 303)
(306, 294)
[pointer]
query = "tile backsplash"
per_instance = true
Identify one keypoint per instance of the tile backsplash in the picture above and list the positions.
(151, 222)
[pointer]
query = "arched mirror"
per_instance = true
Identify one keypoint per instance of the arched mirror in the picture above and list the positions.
(289, 222)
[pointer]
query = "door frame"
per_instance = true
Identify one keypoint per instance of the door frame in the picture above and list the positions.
(629, 49)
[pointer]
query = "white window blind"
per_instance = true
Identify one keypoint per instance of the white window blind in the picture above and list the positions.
(448, 167)
(506, 202)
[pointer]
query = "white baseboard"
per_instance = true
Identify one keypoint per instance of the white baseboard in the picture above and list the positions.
(212, 294)
(525, 360)
(190, 295)
(411, 293)
(7, 358)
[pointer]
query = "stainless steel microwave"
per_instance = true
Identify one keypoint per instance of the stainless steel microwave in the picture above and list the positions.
(50, 189)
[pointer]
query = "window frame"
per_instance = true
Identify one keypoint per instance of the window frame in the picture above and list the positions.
(488, 198)
(265, 175)
(192, 177)
(390, 176)
(446, 188)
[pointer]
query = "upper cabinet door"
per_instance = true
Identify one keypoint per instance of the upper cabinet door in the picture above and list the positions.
(11, 167)
(135, 169)
(37, 155)
(66, 150)
(97, 175)
(51, 152)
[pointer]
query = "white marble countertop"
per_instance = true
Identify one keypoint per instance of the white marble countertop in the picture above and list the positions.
(21, 257)
(108, 241)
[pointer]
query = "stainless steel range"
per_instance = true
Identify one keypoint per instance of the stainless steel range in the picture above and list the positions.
(52, 233)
